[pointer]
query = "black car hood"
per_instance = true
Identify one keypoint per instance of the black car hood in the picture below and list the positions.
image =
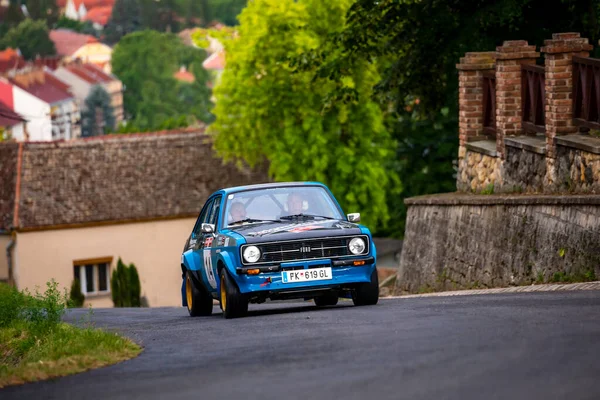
(290, 230)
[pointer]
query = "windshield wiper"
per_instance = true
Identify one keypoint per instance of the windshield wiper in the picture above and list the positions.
(306, 216)
(241, 221)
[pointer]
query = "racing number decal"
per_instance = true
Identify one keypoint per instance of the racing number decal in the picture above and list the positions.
(210, 275)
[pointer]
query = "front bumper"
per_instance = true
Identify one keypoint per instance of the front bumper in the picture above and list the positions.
(344, 272)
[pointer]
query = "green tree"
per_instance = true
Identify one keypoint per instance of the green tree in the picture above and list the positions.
(98, 115)
(43, 10)
(76, 297)
(226, 11)
(264, 111)
(31, 37)
(416, 45)
(125, 286)
(146, 62)
(126, 18)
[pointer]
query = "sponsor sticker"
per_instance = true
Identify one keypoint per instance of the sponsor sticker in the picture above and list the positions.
(208, 269)
(208, 241)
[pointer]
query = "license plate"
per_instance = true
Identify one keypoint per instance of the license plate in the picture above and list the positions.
(306, 275)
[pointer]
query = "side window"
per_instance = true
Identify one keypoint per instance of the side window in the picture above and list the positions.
(202, 218)
(214, 215)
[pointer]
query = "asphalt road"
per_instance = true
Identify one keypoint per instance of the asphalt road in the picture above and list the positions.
(514, 346)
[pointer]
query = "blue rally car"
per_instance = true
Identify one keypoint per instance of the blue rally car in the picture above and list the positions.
(276, 241)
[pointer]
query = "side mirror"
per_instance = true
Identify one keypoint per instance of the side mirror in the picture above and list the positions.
(354, 217)
(208, 228)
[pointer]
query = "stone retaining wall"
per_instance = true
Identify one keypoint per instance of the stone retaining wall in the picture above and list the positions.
(524, 171)
(578, 170)
(460, 241)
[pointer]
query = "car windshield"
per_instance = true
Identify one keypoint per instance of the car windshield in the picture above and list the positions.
(280, 204)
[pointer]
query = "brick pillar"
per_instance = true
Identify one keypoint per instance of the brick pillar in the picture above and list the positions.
(559, 91)
(509, 58)
(470, 95)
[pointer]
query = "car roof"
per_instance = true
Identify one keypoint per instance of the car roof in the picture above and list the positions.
(236, 189)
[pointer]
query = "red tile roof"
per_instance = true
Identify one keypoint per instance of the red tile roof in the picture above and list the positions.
(10, 59)
(184, 75)
(215, 61)
(43, 85)
(8, 117)
(89, 73)
(67, 42)
(89, 4)
(99, 15)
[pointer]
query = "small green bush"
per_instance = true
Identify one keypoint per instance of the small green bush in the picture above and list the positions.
(41, 310)
(76, 297)
(11, 304)
(125, 286)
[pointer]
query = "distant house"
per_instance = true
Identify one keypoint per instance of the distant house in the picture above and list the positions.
(45, 102)
(183, 75)
(10, 59)
(83, 77)
(12, 125)
(71, 209)
(73, 46)
(96, 11)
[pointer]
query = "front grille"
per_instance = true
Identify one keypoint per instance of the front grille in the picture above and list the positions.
(310, 249)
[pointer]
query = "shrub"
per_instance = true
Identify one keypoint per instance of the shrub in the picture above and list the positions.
(42, 310)
(125, 286)
(76, 297)
(11, 304)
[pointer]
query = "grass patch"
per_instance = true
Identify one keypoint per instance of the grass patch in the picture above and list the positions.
(587, 275)
(36, 345)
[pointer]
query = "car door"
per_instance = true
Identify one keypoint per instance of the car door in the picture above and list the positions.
(205, 247)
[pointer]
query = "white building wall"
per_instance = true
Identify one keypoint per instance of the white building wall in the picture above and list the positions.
(36, 112)
(80, 88)
(18, 133)
(71, 11)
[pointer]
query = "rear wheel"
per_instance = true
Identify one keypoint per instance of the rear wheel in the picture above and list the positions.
(367, 294)
(199, 303)
(233, 303)
(329, 299)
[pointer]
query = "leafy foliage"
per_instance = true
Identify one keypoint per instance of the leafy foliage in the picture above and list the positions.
(125, 18)
(46, 10)
(146, 62)
(264, 112)
(76, 297)
(44, 311)
(98, 116)
(416, 45)
(85, 27)
(125, 286)
(31, 37)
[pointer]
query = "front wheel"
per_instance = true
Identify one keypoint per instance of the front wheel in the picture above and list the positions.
(199, 303)
(367, 294)
(233, 303)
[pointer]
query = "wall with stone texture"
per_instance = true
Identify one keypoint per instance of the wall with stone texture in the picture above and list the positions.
(460, 241)
(524, 171)
(477, 171)
(577, 170)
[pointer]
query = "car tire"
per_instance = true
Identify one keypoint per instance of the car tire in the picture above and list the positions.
(367, 294)
(233, 303)
(329, 299)
(199, 302)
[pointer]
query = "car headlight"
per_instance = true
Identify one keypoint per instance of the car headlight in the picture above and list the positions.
(251, 254)
(357, 246)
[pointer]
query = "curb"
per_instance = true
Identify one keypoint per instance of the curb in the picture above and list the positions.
(513, 289)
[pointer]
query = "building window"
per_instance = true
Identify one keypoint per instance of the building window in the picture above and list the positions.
(93, 274)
